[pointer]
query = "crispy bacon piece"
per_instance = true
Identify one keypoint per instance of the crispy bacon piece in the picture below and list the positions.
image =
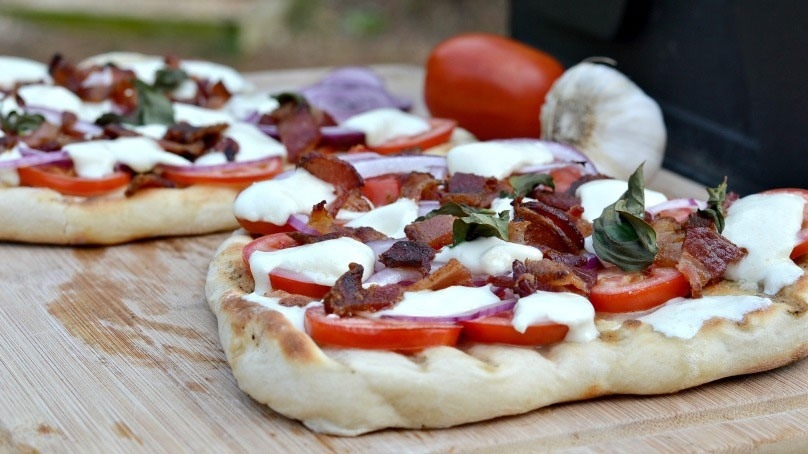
(544, 226)
(409, 254)
(332, 170)
(453, 273)
(96, 83)
(420, 186)
(298, 127)
(192, 142)
(142, 181)
(533, 275)
(705, 256)
(348, 297)
(435, 231)
(473, 190)
(211, 95)
(670, 236)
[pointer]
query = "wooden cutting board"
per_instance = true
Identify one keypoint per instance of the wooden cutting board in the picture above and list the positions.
(114, 349)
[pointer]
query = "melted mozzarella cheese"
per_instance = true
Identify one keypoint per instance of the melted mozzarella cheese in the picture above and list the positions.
(252, 144)
(21, 70)
(295, 314)
(684, 317)
(488, 255)
(447, 302)
(388, 219)
(322, 263)
(381, 125)
(497, 159)
(244, 105)
(58, 99)
(200, 116)
(275, 200)
(97, 158)
(569, 309)
(597, 195)
(767, 226)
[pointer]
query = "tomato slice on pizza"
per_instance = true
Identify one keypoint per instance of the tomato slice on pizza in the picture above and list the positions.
(440, 131)
(498, 328)
(393, 335)
(621, 291)
(63, 180)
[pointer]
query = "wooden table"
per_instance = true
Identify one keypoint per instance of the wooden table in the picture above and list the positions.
(115, 350)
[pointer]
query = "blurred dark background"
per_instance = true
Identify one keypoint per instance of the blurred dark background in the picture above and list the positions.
(730, 75)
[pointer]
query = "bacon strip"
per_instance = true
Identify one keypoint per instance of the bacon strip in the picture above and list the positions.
(348, 297)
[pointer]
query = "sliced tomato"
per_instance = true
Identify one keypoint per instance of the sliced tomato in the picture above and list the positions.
(241, 173)
(621, 291)
(64, 180)
(497, 328)
(378, 334)
(263, 227)
(294, 283)
(802, 237)
(440, 131)
(382, 190)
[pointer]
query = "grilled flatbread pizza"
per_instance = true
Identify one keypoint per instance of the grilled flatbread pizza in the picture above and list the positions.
(504, 277)
(124, 146)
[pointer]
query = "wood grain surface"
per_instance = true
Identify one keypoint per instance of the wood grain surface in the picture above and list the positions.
(114, 349)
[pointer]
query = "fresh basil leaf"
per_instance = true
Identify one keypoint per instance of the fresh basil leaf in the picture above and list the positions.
(715, 205)
(471, 222)
(523, 185)
(21, 124)
(152, 105)
(621, 235)
(169, 79)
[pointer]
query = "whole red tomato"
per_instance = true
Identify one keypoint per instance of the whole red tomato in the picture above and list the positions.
(492, 85)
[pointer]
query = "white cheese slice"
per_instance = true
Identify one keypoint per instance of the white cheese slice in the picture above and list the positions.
(684, 317)
(569, 309)
(388, 219)
(446, 302)
(97, 158)
(381, 125)
(244, 105)
(21, 70)
(767, 226)
(252, 144)
(598, 194)
(498, 158)
(488, 255)
(200, 116)
(322, 263)
(275, 200)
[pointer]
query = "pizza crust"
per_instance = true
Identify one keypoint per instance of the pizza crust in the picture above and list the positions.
(38, 215)
(351, 392)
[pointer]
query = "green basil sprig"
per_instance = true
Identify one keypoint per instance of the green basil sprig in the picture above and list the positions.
(471, 222)
(715, 205)
(153, 107)
(621, 235)
(21, 123)
(523, 185)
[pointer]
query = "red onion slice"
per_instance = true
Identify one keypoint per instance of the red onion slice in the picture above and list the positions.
(387, 276)
(482, 311)
(369, 168)
(55, 117)
(31, 157)
(300, 222)
(348, 91)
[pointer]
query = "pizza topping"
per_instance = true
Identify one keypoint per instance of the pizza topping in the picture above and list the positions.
(97, 158)
(298, 128)
(569, 309)
(541, 225)
(389, 219)
(450, 304)
(18, 71)
(409, 254)
(766, 225)
(436, 231)
(296, 193)
(683, 317)
(488, 255)
(706, 255)
(499, 158)
(319, 263)
(348, 297)
(294, 313)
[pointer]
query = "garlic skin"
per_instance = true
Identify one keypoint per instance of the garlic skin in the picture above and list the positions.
(598, 110)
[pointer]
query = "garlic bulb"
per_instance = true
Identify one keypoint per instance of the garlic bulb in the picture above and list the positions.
(598, 110)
